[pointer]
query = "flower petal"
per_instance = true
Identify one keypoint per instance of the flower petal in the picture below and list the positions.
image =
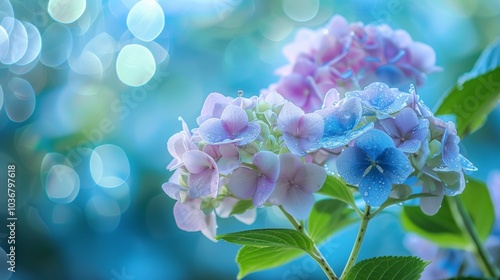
(268, 164)
(248, 134)
(280, 192)
(395, 165)
(343, 117)
(264, 189)
(289, 164)
(213, 131)
(211, 229)
(188, 215)
(332, 96)
(410, 146)
(226, 206)
(450, 149)
(351, 165)
(337, 140)
(288, 118)
(310, 177)
(247, 217)
(406, 121)
(226, 155)
(205, 183)
(171, 190)
(310, 131)
(379, 97)
(389, 126)
(213, 107)
(375, 188)
(172, 187)
(430, 205)
(234, 119)
(243, 182)
(311, 126)
(197, 161)
(298, 203)
(293, 144)
(295, 88)
(373, 143)
(175, 145)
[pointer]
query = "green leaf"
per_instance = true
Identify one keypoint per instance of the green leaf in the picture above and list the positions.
(327, 217)
(251, 259)
(241, 206)
(286, 238)
(472, 101)
(477, 200)
(336, 188)
(442, 228)
(387, 268)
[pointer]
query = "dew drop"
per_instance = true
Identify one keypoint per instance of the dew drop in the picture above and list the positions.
(365, 194)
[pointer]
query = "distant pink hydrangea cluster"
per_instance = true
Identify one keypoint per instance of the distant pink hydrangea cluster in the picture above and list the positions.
(349, 57)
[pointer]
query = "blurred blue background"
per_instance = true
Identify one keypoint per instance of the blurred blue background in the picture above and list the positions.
(89, 140)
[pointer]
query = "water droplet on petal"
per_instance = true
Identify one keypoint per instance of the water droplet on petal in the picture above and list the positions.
(365, 194)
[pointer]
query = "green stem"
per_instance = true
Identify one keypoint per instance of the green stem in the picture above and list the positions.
(464, 221)
(359, 240)
(316, 254)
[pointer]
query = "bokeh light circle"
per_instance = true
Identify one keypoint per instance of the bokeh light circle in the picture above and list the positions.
(1, 97)
(104, 47)
(146, 20)
(102, 213)
(51, 159)
(20, 100)
(57, 44)
(4, 36)
(109, 166)
(4, 265)
(18, 40)
(121, 194)
(87, 63)
(63, 184)
(66, 11)
(4, 43)
(34, 44)
(135, 65)
(301, 10)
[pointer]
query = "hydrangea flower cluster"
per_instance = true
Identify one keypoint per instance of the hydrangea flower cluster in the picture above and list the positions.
(347, 57)
(258, 151)
(391, 137)
(246, 153)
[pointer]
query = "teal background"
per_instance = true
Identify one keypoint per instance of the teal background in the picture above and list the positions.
(222, 46)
